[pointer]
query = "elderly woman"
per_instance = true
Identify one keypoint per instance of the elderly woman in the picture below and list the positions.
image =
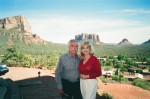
(89, 69)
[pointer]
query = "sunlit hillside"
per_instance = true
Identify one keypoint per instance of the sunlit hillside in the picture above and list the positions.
(9, 38)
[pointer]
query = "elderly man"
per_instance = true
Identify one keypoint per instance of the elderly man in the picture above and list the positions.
(67, 74)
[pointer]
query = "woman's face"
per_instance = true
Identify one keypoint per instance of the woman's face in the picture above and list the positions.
(86, 50)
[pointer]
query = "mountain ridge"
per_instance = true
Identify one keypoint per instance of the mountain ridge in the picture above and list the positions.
(21, 24)
(31, 43)
(147, 42)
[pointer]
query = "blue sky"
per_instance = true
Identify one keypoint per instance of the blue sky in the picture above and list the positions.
(60, 20)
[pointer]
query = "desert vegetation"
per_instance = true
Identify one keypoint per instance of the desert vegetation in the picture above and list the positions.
(129, 59)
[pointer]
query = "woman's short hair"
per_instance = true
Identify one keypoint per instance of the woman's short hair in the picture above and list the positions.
(89, 46)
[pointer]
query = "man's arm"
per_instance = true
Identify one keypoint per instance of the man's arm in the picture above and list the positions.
(58, 76)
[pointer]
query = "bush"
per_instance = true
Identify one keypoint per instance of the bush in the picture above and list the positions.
(116, 78)
(142, 83)
(102, 78)
(107, 95)
(124, 79)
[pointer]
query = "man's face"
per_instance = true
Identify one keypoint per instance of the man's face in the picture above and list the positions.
(73, 48)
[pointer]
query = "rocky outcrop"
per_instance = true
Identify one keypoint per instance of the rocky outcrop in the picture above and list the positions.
(17, 27)
(32, 39)
(86, 36)
(125, 42)
(16, 21)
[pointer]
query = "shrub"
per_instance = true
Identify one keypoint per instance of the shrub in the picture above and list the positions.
(107, 95)
(116, 78)
(102, 78)
(142, 83)
(124, 79)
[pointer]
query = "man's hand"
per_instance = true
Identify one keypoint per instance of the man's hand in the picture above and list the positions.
(60, 91)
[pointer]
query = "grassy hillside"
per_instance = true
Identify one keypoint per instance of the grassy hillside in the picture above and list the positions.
(9, 38)
(16, 52)
(130, 51)
(103, 50)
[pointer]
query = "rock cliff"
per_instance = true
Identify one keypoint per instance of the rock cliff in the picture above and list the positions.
(17, 27)
(16, 21)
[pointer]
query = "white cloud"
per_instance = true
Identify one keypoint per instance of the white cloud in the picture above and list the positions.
(61, 29)
(136, 11)
(135, 35)
(129, 11)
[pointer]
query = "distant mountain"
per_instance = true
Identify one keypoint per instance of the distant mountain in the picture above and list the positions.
(94, 38)
(17, 28)
(125, 42)
(17, 32)
(147, 42)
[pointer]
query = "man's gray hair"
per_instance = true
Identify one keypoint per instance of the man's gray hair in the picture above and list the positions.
(72, 40)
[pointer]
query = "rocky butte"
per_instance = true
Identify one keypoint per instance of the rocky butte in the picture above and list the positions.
(85, 36)
(125, 42)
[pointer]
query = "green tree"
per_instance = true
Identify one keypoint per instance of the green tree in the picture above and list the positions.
(121, 57)
(10, 57)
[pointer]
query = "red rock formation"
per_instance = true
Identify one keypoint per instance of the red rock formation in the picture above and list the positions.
(16, 21)
(22, 28)
(85, 36)
(125, 42)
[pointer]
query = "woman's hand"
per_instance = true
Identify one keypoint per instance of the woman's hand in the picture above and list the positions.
(60, 91)
(84, 76)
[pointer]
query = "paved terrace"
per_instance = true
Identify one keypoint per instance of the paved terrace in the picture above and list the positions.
(23, 83)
